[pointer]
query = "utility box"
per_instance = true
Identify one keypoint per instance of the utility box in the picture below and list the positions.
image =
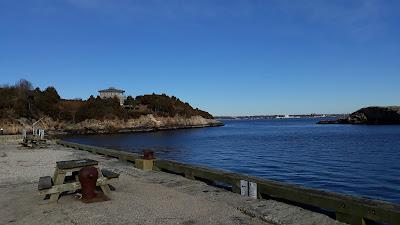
(144, 164)
(253, 190)
(244, 188)
(248, 189)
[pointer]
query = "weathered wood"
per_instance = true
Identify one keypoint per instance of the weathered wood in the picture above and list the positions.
(104, 187)
(348, 209)
(33, 142)
(109, 174)
(350, 219)
(70, 164)
(7, 137)
(57, 189)
(189, 175)
(125, 156)
(74, 166)
(45, 183)
(144, 164)
(34, 138)
(59, 177)
(198, 172)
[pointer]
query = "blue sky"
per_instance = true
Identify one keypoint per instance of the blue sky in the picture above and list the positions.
(236, 57)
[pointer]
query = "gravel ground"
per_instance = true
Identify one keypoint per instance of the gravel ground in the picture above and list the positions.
(140, 197)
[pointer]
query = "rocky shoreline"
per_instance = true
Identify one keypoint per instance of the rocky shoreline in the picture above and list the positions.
(146, 123)
(370, 116)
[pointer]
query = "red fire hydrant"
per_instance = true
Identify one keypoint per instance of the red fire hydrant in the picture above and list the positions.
(88, 179)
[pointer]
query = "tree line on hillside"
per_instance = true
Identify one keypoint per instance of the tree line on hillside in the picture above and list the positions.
(23, 100)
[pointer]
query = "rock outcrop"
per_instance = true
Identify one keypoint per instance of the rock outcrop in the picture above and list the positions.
(92, 126)
(370, 115)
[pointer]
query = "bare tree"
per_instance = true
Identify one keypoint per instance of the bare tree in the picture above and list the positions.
(24, 85)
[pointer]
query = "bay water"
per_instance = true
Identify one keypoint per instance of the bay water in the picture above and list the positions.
(358, 160)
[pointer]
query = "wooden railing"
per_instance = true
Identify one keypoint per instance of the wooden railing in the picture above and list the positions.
(124, 156)
(348, 209)
(6, 138)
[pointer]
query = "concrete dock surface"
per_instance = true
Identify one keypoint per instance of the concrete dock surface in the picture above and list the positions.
(140, 197)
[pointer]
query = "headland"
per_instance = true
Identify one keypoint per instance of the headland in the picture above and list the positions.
(28, 108)
(375, 115)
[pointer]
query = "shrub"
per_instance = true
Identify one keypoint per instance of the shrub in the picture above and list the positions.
(21, 100)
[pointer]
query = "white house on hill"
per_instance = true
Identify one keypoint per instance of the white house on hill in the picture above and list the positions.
(111, 93)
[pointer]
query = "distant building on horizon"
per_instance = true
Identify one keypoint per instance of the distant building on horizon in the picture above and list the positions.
(113, 92)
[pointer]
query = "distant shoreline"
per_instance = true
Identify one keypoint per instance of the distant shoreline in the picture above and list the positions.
(139, 130)
(268, 117)
(148, 123)
(374, 115)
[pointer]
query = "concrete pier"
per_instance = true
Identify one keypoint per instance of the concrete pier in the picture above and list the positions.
(141, 197)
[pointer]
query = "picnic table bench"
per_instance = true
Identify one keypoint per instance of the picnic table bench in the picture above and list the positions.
(60, 182)
(33, 142)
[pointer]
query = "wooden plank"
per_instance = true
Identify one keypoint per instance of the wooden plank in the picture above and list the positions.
(348, 208)
(70, 164)
(57, 189)
(144, 164)
(109, 174)
(45, 183)
(104, 187)
(128, 156)
(199, 172)
(59, 177)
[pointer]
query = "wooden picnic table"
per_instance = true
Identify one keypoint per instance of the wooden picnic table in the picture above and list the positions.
(33, 142)
(58, 184)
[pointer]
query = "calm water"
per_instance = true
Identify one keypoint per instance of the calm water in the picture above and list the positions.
(355, 160)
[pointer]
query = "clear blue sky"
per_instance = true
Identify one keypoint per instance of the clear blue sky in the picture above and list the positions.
(233, 57)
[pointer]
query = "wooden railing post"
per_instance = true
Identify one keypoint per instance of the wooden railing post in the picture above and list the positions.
(189, 175)
(349, 219)
(236, 187)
